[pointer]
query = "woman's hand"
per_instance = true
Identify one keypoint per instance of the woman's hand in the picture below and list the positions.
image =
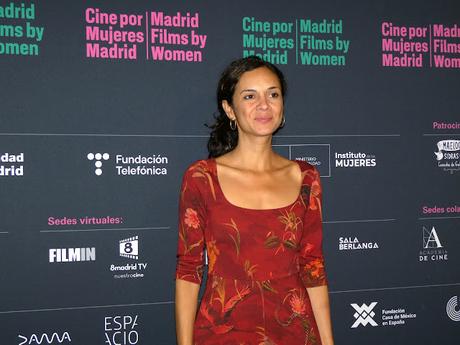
(319, 298)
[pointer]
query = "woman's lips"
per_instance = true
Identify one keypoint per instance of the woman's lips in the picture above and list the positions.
(263, 119)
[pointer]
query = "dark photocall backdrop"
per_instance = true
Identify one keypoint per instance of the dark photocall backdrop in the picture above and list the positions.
(102, 108)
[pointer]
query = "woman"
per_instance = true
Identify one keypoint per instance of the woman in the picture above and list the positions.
(259, 217)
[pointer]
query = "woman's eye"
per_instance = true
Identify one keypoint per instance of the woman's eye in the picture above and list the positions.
(248, 97)
(274, 95)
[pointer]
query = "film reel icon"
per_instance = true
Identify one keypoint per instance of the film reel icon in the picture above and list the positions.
(453, 309)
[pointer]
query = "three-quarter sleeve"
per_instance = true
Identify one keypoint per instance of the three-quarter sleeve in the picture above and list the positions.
(192, 220)
(311, 260)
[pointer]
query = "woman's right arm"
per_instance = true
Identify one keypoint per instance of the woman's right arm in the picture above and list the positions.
(186, 306)
(190, 248)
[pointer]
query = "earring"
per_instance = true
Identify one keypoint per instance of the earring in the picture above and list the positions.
(283, 122)
(233, 125)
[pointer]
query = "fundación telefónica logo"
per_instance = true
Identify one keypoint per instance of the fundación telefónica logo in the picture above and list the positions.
(98, 158)
(364, 314)
(131, 165)
(453, 309)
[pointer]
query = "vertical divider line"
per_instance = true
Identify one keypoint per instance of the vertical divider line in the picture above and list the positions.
(296, 43)
(431, 46)
(147, 34)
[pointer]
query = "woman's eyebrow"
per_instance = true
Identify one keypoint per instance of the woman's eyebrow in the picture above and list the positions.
(247, 90)
(253, 90)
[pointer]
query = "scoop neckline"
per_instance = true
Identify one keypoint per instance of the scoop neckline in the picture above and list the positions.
(299, 195)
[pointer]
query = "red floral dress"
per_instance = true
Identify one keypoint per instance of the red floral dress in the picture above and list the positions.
(260, 262)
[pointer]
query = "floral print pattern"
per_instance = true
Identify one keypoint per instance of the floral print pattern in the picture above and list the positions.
(191, 218)
(260, 262)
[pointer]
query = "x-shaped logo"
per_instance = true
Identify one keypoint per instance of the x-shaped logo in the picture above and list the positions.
(364, 314)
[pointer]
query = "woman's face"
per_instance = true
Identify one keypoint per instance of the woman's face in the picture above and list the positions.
(257, 103)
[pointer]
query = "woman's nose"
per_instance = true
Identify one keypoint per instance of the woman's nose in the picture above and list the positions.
(263, 102)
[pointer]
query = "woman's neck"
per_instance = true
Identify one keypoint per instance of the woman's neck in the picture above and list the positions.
(254, 154)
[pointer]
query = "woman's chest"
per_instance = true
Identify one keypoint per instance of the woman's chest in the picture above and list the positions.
(259, 192)
(238, 228)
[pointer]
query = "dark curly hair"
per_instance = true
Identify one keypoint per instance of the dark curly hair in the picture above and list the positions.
(222, 138)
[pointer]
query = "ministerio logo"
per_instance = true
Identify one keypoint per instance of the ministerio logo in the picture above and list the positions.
(318, 155)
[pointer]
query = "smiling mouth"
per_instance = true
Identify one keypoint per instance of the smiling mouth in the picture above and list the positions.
(263, 119)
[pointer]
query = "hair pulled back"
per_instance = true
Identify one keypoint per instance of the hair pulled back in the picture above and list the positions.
(222, 138)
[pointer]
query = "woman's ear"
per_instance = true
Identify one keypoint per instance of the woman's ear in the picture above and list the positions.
(228, 110)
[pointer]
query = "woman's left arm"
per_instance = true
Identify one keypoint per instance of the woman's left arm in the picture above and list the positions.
(319, 298)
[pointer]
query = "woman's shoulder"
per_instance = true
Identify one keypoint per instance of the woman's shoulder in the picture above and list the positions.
(199, 176)
(309, 172)
(199, 172)
(199, 166)
(304, 166)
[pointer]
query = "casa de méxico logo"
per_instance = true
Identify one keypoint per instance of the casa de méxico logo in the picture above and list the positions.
(364, 314)
(368, 315)
(128, 165)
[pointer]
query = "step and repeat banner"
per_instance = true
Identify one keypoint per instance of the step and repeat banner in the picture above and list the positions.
(103, 106)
